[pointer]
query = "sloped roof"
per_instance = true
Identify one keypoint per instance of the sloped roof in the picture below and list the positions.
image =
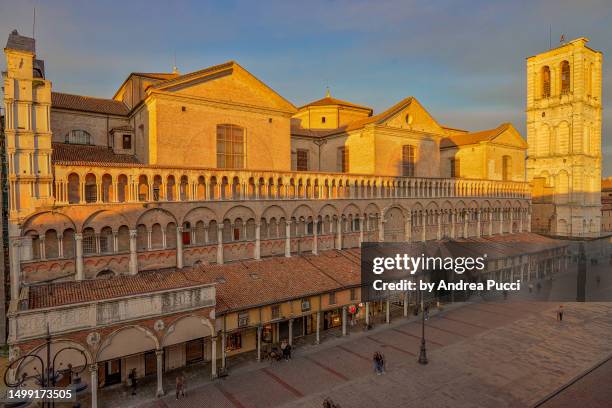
(245, 284)
(328, 100)
(19, 42)
(213, 70)
(354, 125)
(454, 140)
(88, 104)
(157, 75)
(64, 153)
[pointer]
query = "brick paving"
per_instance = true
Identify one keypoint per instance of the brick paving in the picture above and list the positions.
(481, 355)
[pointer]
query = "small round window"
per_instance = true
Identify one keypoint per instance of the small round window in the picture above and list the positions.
(408, 119)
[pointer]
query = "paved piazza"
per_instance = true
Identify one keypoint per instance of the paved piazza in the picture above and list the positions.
(481, 355)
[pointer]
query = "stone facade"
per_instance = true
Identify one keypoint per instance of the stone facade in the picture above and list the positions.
(564, 88)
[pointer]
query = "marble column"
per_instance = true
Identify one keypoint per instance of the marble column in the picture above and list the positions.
(318, 328)
(15, 258)
(213, 357)
(179, 247)
(339, 233)
(259, 329)
(478, 223)
(219, 244)
(452, 224)
(257, 240)
(60, 245)
(287, 239)
(78, 237)
(388, 311)
(290, 340)
(93, 371)
(159, 354)
(381, 229)
(133, 255)
(408, 228)
(360, 230)
(315, 238)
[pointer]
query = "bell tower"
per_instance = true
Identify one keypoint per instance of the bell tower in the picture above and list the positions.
(564, 113)
(27, 103)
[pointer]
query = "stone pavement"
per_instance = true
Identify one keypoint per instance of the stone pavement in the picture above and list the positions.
(481, 355)
(593, 390)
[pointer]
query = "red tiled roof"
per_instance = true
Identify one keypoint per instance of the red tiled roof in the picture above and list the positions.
(246, 284)
(66, 293)
(88, 104)
(328, 100)
(472, 138)
(77, 154)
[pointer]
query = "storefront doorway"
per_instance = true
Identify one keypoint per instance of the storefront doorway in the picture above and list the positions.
(194, 351)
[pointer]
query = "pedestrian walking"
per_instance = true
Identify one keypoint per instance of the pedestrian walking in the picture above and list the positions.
(530, 287)
(382, 363)
(560, 313)
(377, 359)
(283, 347)
(427, 312)
(133, 382)
(288, 351)
(180, 385)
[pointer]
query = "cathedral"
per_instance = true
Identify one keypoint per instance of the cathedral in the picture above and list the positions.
(195, 216)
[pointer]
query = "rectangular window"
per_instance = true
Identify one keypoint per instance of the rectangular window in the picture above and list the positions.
(343, 159)
(243, 319)
(127, 142)
(234, 342)
(332, 298)
(305, 305)
(353, 294)
(91, 193)
(276, 312)
(230, 147)
(454, 168)
(302, 160)
(408, 157)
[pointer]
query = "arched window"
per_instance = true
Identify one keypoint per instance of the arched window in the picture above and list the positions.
(506, 168)
(545, 82)
(78, 136)
(74, 189)
(565, 77)
(230, 147)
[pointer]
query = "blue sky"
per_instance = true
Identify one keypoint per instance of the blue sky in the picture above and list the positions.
(464, 60)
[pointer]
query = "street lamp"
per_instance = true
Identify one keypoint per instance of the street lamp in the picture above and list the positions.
(423, 353)
(47, 377)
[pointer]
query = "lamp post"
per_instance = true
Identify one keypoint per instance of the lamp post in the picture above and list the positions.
(423, 353)
(48, 377)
